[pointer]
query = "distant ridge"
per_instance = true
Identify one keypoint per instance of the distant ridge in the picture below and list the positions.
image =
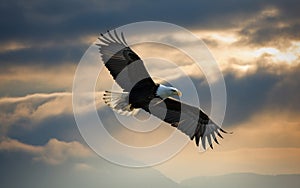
(244, 180)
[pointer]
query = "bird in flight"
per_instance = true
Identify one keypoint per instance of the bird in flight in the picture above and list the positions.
(141, 92)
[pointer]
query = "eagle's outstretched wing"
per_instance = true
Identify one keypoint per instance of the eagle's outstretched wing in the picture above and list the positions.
(124, 64)
(189, 119)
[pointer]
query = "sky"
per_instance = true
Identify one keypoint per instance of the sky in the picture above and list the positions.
(255, 43)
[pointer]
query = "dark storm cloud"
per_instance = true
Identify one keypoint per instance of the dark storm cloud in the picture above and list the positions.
(266, 90)
(52, 55)
(270, 32)
(52, 20)
(45, 19)
(247, 96)
(275, 28)
(270, 88)
(61, 22)
(35, 21)
(286, 93)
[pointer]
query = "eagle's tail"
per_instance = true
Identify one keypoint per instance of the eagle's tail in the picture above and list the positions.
(119, 101)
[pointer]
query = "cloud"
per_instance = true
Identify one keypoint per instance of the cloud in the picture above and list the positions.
(41, 19)
(30, 110)
(54, 152)
(271, 26)
(23, 80)
(285, 92)
(56, 20)
(58, 106)
(269, 87)
(8, 144)
(49, 54)
(52, 36)
(33, 96)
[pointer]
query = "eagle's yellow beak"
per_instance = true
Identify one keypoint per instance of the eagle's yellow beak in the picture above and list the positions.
(179, 93)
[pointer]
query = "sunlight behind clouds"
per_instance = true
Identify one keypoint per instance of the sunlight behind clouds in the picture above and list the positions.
(289, 56)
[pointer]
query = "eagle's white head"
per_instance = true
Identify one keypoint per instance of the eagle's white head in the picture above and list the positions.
(165, 91)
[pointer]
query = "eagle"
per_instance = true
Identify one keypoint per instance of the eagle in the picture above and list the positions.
(141, 92)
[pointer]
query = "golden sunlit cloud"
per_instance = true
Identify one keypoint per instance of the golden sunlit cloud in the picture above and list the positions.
(244, 59)
(227, 37)
(270, 12)
(12, 46)
(277, 56)
(38, 77)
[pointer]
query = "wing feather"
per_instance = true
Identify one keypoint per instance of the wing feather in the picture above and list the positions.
(189, 119)
(214, 137)
(123, 63)
(112, 37)
(117, 37)
(123, 38)
(102, 40)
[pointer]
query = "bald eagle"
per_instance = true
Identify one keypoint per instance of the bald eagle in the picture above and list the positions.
(141, 92)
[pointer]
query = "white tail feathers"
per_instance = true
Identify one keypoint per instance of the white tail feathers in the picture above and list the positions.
(119, 101)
